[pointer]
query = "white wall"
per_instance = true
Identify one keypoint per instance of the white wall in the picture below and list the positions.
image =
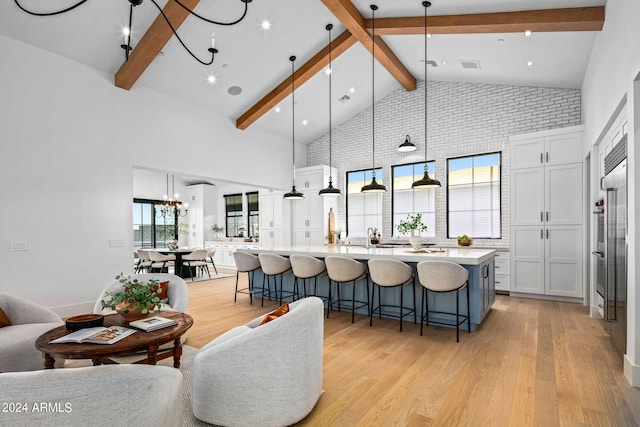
(610, 75)
(68, 142)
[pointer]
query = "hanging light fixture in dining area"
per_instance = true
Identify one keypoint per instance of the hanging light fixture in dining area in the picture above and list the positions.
(426, 181)
(330, 190)
(171, 207)
(293, 194)
(373, 186)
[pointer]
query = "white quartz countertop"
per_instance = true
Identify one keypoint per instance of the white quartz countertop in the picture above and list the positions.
(461, 256)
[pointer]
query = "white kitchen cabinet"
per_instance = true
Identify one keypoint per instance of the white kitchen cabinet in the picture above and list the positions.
(202, 213)
(549, 195)
(270, 205)
(547, 148)
(547, 260)
(547, 213)
(501, 266)
(224, 252)
(310, 216)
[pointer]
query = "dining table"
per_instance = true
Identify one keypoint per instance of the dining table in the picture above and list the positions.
(185, 273)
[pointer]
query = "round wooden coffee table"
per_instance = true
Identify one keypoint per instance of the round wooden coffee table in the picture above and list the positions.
(137, 342)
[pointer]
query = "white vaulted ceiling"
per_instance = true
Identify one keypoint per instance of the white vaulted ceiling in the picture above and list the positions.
(257, 60)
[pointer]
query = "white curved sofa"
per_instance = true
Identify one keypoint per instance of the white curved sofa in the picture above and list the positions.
(178, 292)
(269, 375)
(108, 395)
(17, 342)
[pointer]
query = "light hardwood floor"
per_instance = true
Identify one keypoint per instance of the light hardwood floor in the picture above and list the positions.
(532, 362)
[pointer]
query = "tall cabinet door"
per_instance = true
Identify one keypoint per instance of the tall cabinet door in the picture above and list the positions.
(563, 198)
(527, 196)
(527, 259)
(563, 263)
(527, 153)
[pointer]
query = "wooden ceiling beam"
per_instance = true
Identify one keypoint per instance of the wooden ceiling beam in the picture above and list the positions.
(153, 41)
(353, 21)
(546, 20)
(303, 74)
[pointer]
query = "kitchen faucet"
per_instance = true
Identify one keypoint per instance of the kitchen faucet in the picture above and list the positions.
(369, 233)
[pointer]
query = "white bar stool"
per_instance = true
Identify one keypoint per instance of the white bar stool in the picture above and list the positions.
(391, 273)
(439, 277)
(344, 270)
(273, 266)
(246, 263)
(307, 267)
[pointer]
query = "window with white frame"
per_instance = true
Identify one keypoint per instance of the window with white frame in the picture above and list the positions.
(473, 196)
(364, 210)
(406, 200)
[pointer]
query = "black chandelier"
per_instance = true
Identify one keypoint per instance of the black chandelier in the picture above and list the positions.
(171, 207)
(133, 3)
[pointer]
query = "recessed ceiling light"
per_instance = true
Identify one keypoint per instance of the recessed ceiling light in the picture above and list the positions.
(529, 63)
(277, 109)
(304, 122)
(234, 90)
(265, 24)
(443, 62)
(500, 40)
(527, 33)
(352, 90)
(327, 71)
(211, 79)
(428, 35)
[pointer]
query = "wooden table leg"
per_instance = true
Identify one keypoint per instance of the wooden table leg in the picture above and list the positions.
(49, 361)
(152, 354)
(177, 352)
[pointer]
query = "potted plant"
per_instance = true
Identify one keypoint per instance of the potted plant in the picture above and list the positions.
(136, 299)
(217, 232)
(465, 240)
(412, 224)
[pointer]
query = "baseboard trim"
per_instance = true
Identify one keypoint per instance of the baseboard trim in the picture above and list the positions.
(631, 372)
(547, 297)
(595, 312)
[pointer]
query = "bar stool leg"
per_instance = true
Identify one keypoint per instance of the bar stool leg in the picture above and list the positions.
(415, 307)
(457, 315)
(371, 311)
(468, 312)
(329, 302)
(235, 296)
(401, 301)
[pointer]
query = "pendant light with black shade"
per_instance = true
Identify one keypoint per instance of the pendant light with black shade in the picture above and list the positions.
(426, 181)
(373, 186)
(293, 194)
(407, 145)
(330, 190)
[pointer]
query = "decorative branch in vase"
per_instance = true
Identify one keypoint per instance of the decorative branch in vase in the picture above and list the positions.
(412, 224)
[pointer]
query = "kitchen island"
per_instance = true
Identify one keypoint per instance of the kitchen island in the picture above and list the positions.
(479, 263)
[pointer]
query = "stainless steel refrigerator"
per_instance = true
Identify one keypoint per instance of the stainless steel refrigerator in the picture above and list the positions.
(615, 295)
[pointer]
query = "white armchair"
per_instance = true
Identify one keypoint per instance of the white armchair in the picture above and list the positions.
(108, 395)
(269, 375)
(178, 292)
(17, 342)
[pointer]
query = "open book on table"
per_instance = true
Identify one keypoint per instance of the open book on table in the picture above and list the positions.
(99, 335)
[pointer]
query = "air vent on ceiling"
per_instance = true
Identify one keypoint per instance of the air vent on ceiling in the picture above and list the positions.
(344, 98)
(433, 63)
(470, 65)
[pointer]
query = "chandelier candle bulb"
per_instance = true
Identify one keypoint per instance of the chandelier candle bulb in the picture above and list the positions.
(213, 41)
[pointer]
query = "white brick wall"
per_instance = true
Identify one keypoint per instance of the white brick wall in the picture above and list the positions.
(463, 118)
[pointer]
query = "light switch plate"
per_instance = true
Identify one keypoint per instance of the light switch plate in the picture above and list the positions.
(18, 246)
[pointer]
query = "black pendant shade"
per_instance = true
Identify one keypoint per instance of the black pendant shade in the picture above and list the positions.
(426, 181)
(373, 186)
(407, 145)
(293, 194)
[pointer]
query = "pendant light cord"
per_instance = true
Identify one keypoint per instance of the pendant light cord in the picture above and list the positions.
(425, 4)
(373, 88)
(293, 119)
(329, 27)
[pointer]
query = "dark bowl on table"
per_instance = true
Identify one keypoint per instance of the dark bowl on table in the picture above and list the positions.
(84, 321)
